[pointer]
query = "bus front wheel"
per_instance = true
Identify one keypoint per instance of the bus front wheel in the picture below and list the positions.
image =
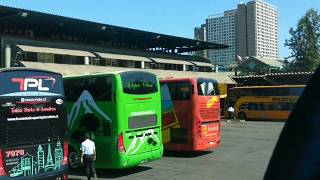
(74, 159)
(242, 116)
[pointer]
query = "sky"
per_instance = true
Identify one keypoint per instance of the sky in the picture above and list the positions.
(172, 17)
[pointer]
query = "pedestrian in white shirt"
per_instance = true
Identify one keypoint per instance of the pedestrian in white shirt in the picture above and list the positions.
(231, 112)
(88, 156)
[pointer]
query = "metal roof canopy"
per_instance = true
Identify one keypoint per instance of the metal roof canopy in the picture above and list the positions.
(67, 69)
(123, 57)
(106, 55)
(290, 78)
(46, 25)
(55, 51)
(269, 62)
(171, 61)
(202, 64)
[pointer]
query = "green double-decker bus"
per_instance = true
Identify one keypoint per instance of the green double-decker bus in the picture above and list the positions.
(122, 113)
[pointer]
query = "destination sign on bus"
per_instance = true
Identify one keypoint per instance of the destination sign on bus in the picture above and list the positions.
(138, 83)
(141, 84)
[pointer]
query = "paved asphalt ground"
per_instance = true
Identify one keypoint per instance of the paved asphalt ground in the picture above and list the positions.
(245, 151)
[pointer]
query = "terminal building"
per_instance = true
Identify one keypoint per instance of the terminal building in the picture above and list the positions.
(35, 39)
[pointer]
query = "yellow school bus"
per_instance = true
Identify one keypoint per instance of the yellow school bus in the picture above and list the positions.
(263, 102)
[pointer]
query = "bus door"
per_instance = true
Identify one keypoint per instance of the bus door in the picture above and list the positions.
(208, 125)
(141, 113)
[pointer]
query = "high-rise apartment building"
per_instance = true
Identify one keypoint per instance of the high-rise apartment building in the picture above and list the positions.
(221, 29)
(249, 30)
(200, 33)
(257, 30)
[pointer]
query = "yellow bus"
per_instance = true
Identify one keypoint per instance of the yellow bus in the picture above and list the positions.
(263, 102)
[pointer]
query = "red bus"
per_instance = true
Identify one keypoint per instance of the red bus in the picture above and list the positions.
(190, 114)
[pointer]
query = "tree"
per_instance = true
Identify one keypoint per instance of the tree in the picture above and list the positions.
(305, 43)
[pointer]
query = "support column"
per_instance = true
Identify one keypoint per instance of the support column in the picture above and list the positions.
(86, 60)
(184, 67)
(7, 55)
(142, 64)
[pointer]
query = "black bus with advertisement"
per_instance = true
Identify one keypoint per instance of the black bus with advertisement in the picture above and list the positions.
(33, 125)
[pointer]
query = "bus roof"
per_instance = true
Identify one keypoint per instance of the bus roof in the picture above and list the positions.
(103, 73)
(184, 79)
(265, 87)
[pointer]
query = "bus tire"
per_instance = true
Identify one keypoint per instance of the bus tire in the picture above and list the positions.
(242, 116)
(74, 159)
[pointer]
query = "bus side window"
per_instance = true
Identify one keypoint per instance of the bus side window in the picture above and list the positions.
(285, 106)
(271, 106)
(183, 91)
(173, 90)
(278, 106)
(106, 128)
(179, 91)
(100, 88)
(213, 89)
(114, 96)
(192, 89)
(108, 88)
(243, 106)
(255, 106)
(296, 91)
(201, 88)
(73, 88)
(291, 106)
(260, 106)
(252, 106)
(266, 106)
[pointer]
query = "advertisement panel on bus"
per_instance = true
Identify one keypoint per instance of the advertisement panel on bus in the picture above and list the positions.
(32, 125)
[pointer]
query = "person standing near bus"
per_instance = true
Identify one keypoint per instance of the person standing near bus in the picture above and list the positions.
(88, 156)
(231, 112)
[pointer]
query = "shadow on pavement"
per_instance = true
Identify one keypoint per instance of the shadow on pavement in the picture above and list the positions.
(186, 154)
(109, 173)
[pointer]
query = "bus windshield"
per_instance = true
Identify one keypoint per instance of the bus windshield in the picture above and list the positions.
(207, 87)
(138, 83)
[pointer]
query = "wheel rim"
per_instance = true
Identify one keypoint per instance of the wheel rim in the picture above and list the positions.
(73, 160)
